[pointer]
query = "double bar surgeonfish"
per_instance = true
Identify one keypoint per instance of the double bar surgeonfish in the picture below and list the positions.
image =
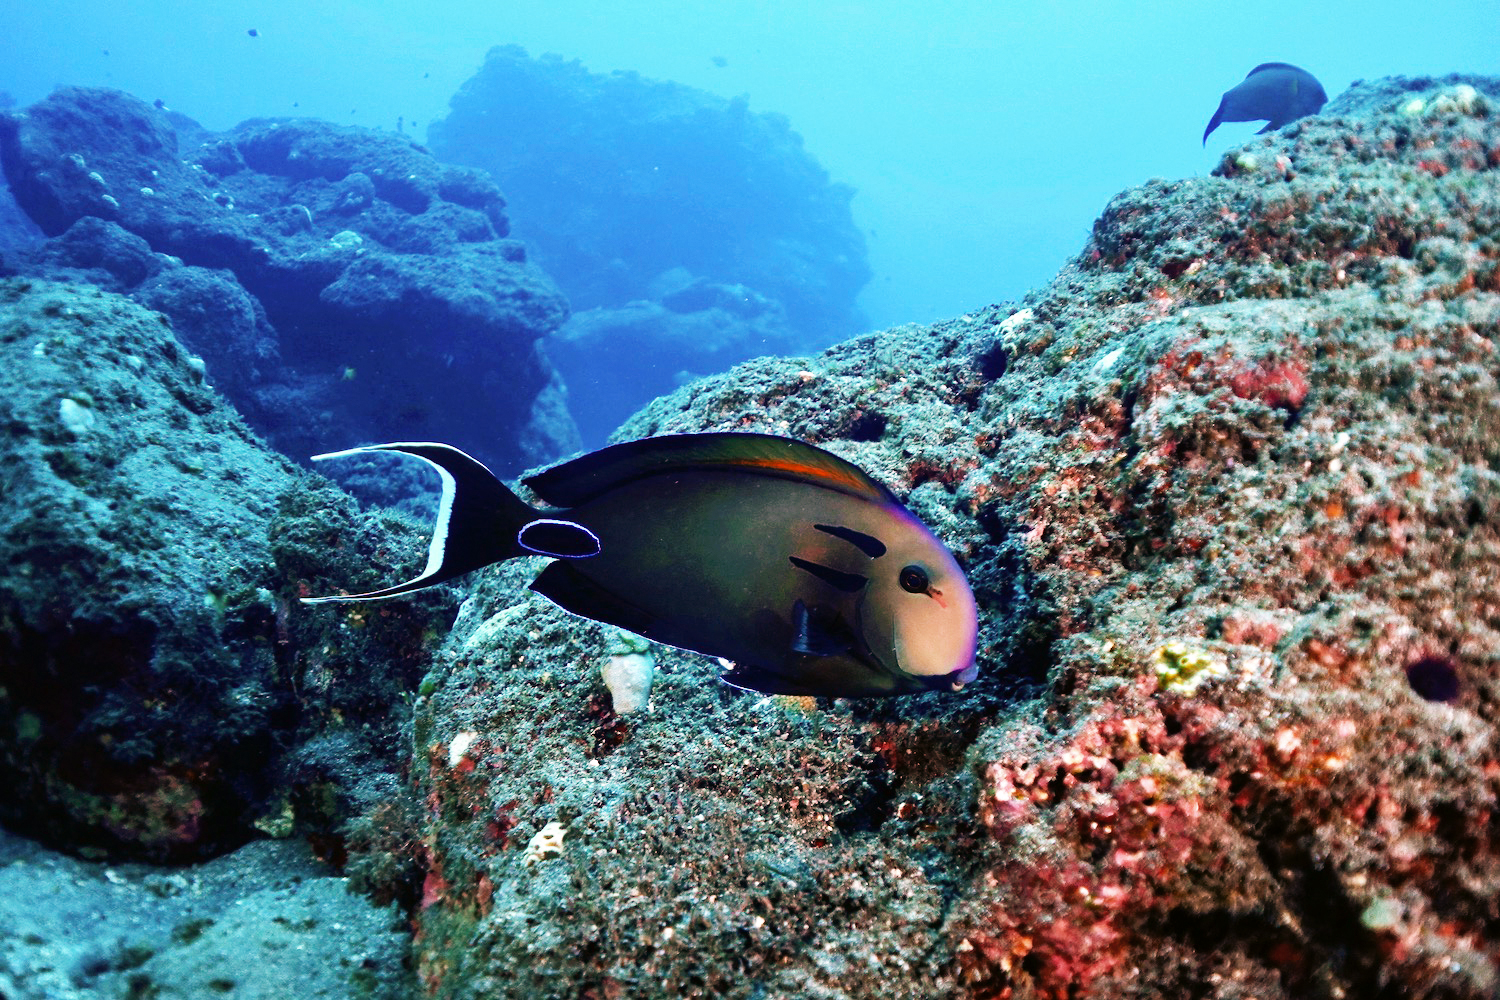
(788, 561)
(1279, 92)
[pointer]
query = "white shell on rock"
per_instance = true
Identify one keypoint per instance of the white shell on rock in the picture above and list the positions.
(628, 677)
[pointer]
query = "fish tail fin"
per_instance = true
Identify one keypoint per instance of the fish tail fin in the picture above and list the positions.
(479, 519)
(1217, 119)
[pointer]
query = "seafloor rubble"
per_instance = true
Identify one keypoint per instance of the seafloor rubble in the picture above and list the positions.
(1229, 493)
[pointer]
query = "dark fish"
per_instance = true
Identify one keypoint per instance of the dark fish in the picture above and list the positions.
(787, 560)
(1277, 91)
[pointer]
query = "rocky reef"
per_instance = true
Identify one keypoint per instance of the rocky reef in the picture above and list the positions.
(340, 283)
(640, 193)
(162, 695)
(1227, 490)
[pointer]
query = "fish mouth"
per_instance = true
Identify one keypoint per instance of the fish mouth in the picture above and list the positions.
(953, 681)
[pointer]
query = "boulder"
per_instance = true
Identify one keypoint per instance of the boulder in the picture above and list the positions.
(162, 694)
(1227, 492)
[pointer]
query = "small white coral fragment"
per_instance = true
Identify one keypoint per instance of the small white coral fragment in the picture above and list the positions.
(628, 673)
(1014, 322)
(628, 677)
(76, 417)
(1462, 99)
(548, 843)
(1181, 667)
(459, 747)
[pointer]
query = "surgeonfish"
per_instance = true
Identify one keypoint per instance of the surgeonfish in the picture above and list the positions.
(794, 564)
(1278, 91)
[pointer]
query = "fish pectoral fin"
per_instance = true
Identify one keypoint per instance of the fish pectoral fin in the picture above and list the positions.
(570, 590)
(814, 636)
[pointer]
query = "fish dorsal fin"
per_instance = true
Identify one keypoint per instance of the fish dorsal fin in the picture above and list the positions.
(1273, 65)
(582, 479)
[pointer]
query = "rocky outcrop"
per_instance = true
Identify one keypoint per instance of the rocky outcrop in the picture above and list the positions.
(631, 189)
(617, 357)
(1227, 493)
(162, 694)
(378, 296)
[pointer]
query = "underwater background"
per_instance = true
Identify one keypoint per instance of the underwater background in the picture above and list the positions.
(1211, 423)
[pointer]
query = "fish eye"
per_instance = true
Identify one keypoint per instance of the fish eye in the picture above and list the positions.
(913, 580)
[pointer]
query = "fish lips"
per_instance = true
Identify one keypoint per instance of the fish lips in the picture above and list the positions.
(954, 681)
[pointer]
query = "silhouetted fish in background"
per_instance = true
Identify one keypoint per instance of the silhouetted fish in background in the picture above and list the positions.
(783, 558)
(1278, 91)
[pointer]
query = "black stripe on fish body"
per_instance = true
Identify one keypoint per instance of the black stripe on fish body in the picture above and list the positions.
(849, 583)
(868, 544)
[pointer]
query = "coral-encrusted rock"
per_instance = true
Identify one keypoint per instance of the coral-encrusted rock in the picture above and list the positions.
(390, 304)
(1230, 481)
(596, 160)
(703, 328)
(161, 694)
(668, 215)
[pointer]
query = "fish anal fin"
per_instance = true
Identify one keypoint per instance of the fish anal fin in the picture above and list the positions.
(571, 590)
(748, 677)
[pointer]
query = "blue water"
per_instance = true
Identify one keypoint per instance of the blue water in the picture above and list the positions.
(982, 139)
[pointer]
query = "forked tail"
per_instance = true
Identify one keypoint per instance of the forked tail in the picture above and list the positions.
(479, 521)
